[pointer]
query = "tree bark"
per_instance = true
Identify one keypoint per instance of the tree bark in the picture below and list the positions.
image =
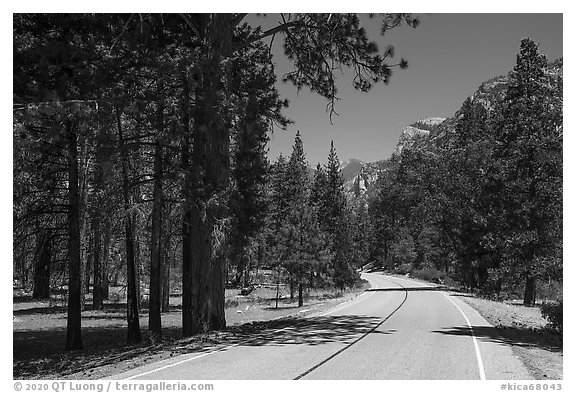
(530, 291)
(203, 272)
(74, 321)
(42, 267)
(97, 292)
(155, 295)
(134, 335)
(188, 327)
(89, 259)
(85, 243)
(165, 275)
(300, 294)
(155, 319)
(106, 261)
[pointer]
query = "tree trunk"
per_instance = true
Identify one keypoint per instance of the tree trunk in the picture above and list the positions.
(165, 275)
(155, 319)
(42, 267)
(216, 295)
(85, 243)
(88, 258)
(137, 263)
(530, 291)
(300, 294)
(194, 274)
(134, 335)
(106, 261)
(97, 292)
(188, 317)
(74, 321)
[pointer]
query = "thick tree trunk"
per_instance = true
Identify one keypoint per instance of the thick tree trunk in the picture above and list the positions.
(300, 294)
(74, 321)
(530, 291)
(155, 319)
(195, 274)
(42, 267)
(216, 298)
(134, 335)
(203, 271)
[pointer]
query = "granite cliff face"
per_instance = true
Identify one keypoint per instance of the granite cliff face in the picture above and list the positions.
(359, 177)
(488, 94)
(359, 182)
(418, 132)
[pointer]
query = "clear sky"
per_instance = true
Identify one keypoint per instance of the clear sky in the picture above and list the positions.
(449, 56)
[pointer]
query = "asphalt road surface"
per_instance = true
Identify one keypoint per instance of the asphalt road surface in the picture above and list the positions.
(400, 329)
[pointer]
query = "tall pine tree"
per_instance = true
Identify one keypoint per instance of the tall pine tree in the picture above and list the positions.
(529, 153)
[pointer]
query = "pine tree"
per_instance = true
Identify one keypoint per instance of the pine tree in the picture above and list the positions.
(335, 222)
(305, 247)
(318, 187)
(296, 175)
(529, 153)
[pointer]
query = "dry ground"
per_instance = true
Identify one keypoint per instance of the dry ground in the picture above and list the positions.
(524, 329)
(39, 332)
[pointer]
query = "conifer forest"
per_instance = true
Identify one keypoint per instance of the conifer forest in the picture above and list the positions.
(143, 191)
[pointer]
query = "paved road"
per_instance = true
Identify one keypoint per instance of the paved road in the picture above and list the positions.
(401, 329)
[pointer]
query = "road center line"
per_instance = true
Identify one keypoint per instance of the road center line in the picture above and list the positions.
(476, 347)
(354, 302)
(323, 362)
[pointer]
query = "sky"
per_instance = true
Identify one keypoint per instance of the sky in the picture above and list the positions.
(449, 56)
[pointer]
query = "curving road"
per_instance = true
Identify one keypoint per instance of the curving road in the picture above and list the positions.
(400, 329)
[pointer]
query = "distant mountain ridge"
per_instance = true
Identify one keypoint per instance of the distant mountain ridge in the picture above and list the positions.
(359, 177)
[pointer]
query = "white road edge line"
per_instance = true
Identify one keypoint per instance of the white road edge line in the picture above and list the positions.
(355, 301)
(476, 347)
(350, 303)
(181, 362)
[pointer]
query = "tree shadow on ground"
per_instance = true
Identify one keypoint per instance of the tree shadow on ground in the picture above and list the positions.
(308, 331)
(40, 353)
(523, 337)
(109, 308)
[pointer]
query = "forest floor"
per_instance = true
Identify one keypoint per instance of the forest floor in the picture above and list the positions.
(39, 331)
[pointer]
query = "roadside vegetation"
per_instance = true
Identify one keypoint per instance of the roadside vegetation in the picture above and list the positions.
(478, 204)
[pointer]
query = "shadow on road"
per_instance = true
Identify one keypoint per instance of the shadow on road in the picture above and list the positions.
(308, 331)
(40, 352)
(509, 335)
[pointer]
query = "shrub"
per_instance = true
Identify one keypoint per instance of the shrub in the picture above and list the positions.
(231, 303)
(552, 311)
(403, 268)
(430, 274)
